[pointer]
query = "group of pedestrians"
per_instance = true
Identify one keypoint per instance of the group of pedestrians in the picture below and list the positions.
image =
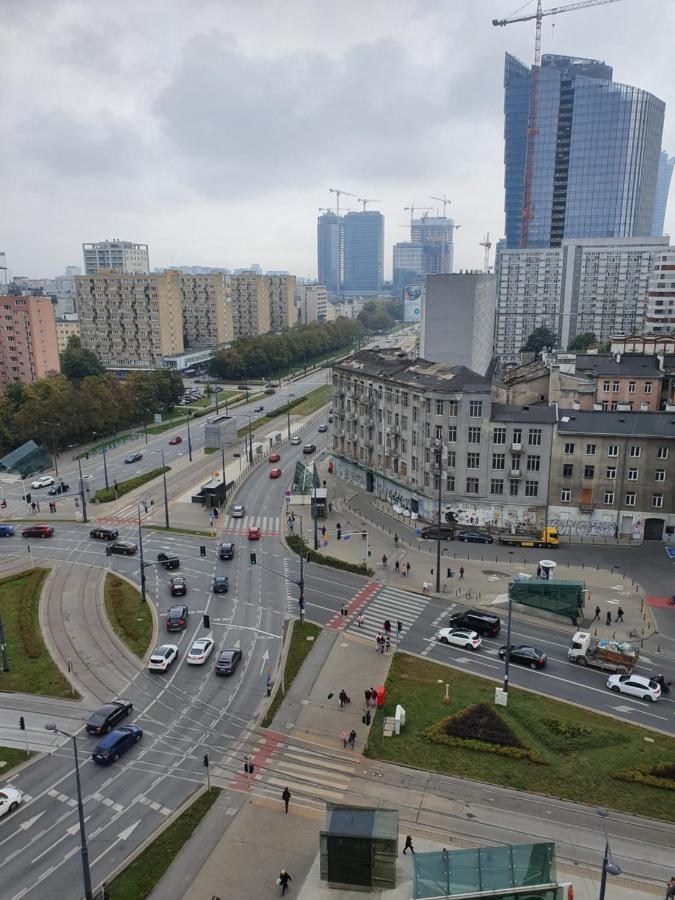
(34, 507)
(382, 643)
(608, 618)
(348, 737)
(370, 695)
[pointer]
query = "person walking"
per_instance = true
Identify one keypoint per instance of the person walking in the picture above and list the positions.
(408, 845)
(387, 626)
(397, 566)
(343, 698)
(461, 573)
(361, 620)
(378, 638)
(407, 568)
(387, 645)
(399, 628)
(366, 694)
(608, 620)
(286, 797)
(384, 560)
(396, 540)
(283, 880)
(403, 569)
(344, 734)
(619, 615)
(597, 614)
(373, 697)
(670, 888)
(352, 738)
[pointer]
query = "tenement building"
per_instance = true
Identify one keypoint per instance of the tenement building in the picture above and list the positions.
(394, 416)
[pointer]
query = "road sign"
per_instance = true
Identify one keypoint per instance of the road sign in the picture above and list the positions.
(671, 552)
(418, 532)
(287, 493)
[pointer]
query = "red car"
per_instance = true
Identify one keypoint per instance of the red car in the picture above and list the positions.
(274, 457)
(176, 440)
(275, 473)
(254, 533)
(41, 531)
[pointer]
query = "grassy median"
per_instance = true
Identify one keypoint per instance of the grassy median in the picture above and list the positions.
(9, 758)
(31, 668)
(107, 495)
(129, 617)
(579, 754)
(302, 641)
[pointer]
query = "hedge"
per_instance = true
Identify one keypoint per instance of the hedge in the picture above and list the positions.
(105, 495)
(493, 735)
(296, 544)
(653, 777)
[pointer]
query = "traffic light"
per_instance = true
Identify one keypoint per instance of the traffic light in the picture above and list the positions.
(28, 496)
(207, 620)
(254, 559)
(202, 550)
(22, 723)
(206, 760)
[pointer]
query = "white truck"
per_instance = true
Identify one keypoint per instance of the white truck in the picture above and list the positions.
(612, 656)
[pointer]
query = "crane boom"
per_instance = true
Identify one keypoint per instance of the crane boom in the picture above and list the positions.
(365, 200)
(444, 200)
(554, 11)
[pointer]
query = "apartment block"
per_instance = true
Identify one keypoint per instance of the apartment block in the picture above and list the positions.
(312, 304)
(250, 304)
(28, 344)
(660, 316)
(281, 301)
(207, 309)
(67, 326)
(117, 256)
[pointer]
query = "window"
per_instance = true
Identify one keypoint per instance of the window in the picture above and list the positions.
(657, 501)
(427, 480)
(499, 436)
(660, 475)
(452, 407)
(427, 404)
(533, 463)
(630, 498)
(452, 459)
(635, 451)
(615, 387)
(497, 486)
(589, 471)
(662, 453)
(439, 407)
(439, 432)
(531, 488)
(631, 387)
(474, 435)
(565, 496)
(590, 449)
(472, 485)
(452, 434)
(450, 483)
(605, 386)
(569, 449)
(475, 409)
(632, 474)
(498, 460)
(514, 486)
(608, 498)
(517, 435)
(648, 387)
(404, 399)
(534, 437)
(404, 422)
(610, 472)
(473, 460)
(613, 450)
(568, 468)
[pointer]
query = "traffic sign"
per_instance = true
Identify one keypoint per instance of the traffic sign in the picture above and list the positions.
(418, 532)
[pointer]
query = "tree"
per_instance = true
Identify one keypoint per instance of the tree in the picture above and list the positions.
(78, 363)
(583, 341)
(540, 339)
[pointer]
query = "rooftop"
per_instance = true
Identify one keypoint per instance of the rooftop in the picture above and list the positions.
(539, 413)
(619, 424)
(417, 373)
(619, 364)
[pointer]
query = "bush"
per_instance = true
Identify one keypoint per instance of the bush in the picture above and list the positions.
(565, 736)
(658, 776)
(297, 546)
(105, 495)
(481, 728)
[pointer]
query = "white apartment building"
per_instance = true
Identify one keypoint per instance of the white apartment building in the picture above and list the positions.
(119, 256)
(312, 304)
(660, 318)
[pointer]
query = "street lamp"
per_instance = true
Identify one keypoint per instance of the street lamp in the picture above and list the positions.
(166, 499)
(96, 434)
(86, 875)
(608, 864)
(222, 460)
(144, 504)
(145, 425)
(189, 436)
(288, 414)
(439, 456)
(83, 498)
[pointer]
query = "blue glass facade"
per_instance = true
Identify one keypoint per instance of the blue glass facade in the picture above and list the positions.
(363, 251)
(666, 166)
(329, 251)
(596, 153)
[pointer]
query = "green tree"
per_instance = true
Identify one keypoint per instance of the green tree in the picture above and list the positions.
(78, 363)
(583, 341)
(540, 339)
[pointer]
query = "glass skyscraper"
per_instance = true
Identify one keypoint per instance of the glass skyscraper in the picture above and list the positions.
(329, 251)
(363, 251)
(596, 153)
(666, 165)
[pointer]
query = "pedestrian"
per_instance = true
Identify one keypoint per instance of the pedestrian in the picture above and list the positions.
(670, 888)
(387, 626)
(343, 698)
(396, 540)
(361, 620)
(407, 568)
(330, 507)
(286, 797)
(388, 644)
(283, 880)
(403, 570)
(608, 620)
(37, 503)
(366, 694)
(461, 573)
(384, 560)
(373, 697)
(352, 738)
(378, 638)
(32, 508)
(408, 845)
(397, 566)
(399, 628)
(323, 531)
(619, 615)
(344, 734)
(597, 614)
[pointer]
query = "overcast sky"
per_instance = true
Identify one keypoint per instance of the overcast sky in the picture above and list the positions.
(212, 130)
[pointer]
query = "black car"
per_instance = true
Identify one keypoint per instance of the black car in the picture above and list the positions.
(447, 532)
(109, 715)
(116, 743)
(309, 448)
(226, 550)
(177, 618)
(525, 655)
(258, 409)
(474, 537)
(227, 662)
(61, 488)
(124, 548)
(242, 387)
(220, 584)
(104, 534)
(178, 586)
(483, 622)
(168, 559)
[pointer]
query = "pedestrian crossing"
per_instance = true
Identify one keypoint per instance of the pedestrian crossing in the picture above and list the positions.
(269, 525)
(389, 603)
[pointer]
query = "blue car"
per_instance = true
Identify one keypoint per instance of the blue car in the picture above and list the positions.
(116, 743)
(6, 531)
(474, 537)
(133, 457)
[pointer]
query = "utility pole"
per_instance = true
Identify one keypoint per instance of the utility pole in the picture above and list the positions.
(82, 492)
(440, 503)
(140, 549)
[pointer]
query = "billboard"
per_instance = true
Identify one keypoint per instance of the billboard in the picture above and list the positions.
(412, 303)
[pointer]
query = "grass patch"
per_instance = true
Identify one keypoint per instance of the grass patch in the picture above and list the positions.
(585, 752)
(31, 668)
(129, 617)
(106, 495)
(296, 545)
(302, 406)
(297, 652)
(141, 876)
(11, 757)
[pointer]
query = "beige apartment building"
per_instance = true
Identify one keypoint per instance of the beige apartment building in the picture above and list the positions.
(28, 344)
(207, 309)
(312, 304)
(282, 307)
(66, 327)
(250, 304)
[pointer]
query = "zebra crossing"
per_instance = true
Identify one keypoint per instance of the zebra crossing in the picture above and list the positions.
(388, 603)
(269, 525)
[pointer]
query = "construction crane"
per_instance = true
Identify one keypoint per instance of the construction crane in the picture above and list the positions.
(444, 200)
(411, 209)
(486, 243)
(338, 193)
(528, 212)
(326, 209)
(365, 200)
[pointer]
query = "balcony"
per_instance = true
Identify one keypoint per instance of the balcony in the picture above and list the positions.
(515, 473)
(516, 447)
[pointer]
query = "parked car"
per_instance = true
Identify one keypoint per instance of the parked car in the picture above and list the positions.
(177, 618)
(459, 637)
(176, 440)
(253, 533)
(43, 481)
(474, 537)
(295, 440)
(200, 651)
(6, 530)
(525, 655)
(123, 548)
(242, 387)
(10, 798)
(275, 473)
(445, 531)
(61, 488)
(259, 408)
(178, 586)
(323, 427)
(238, 511)
(227, 662)
(635, 686)
(163, 657)
(274, 457)
(104, 534)
(133, 457)
(484, 623)
(116, 744)
(41, 531)
(105, 718)
(220, 584)
(226, 550)
(309, 448)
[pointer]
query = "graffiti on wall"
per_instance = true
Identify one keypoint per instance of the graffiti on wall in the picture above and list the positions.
(349, 473)
(582, 527)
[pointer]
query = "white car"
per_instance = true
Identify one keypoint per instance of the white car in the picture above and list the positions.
(200, 651)
(459, 637)
(636, 686)
(43, 481)
(238, 511)
(295, 440)
(162, 657)
(10, 798)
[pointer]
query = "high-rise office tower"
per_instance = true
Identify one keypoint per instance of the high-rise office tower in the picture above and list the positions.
(666, 165)
(329, 245)
(408, 264)
(119, 256)
(435, 234)
(363, 252)
(596, 153)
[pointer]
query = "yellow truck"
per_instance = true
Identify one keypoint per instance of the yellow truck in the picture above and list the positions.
(545, 537)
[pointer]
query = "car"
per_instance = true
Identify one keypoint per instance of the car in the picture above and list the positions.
(169, 560)
(178, 586)
(445, 532)
(116, 743)
(474, 537)
(60, 488)
(274, 457)
(6, 530)
(177, 618)
(123, 548)
(275, 473)
(253, 533)
(220, 584)
(323, 427)
(42, 531)
(238, 511)
(133, 457)
(308, 448)
(295, 440)
(635, 686)
(242, 387)
(104, 534)
(226, 550)
(525, 655)
(484, 623)
(175, 440)
(43, 481)
(330, 420)
(10, 798)
(459, 637)
(163, 657)
(103, 720)
(227, 662)
(259, 408)
(200, 651)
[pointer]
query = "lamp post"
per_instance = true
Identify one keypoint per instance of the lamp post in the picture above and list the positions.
(86, 875)
(249, 449)
(140, 548)
(166, 498)
(83, 497)
(315, 513)
(288, 414)
(222, 459)
(53, 442)
(104, 450)
(145, 425)
(608, 865)
(189, 436)
(439, 452)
